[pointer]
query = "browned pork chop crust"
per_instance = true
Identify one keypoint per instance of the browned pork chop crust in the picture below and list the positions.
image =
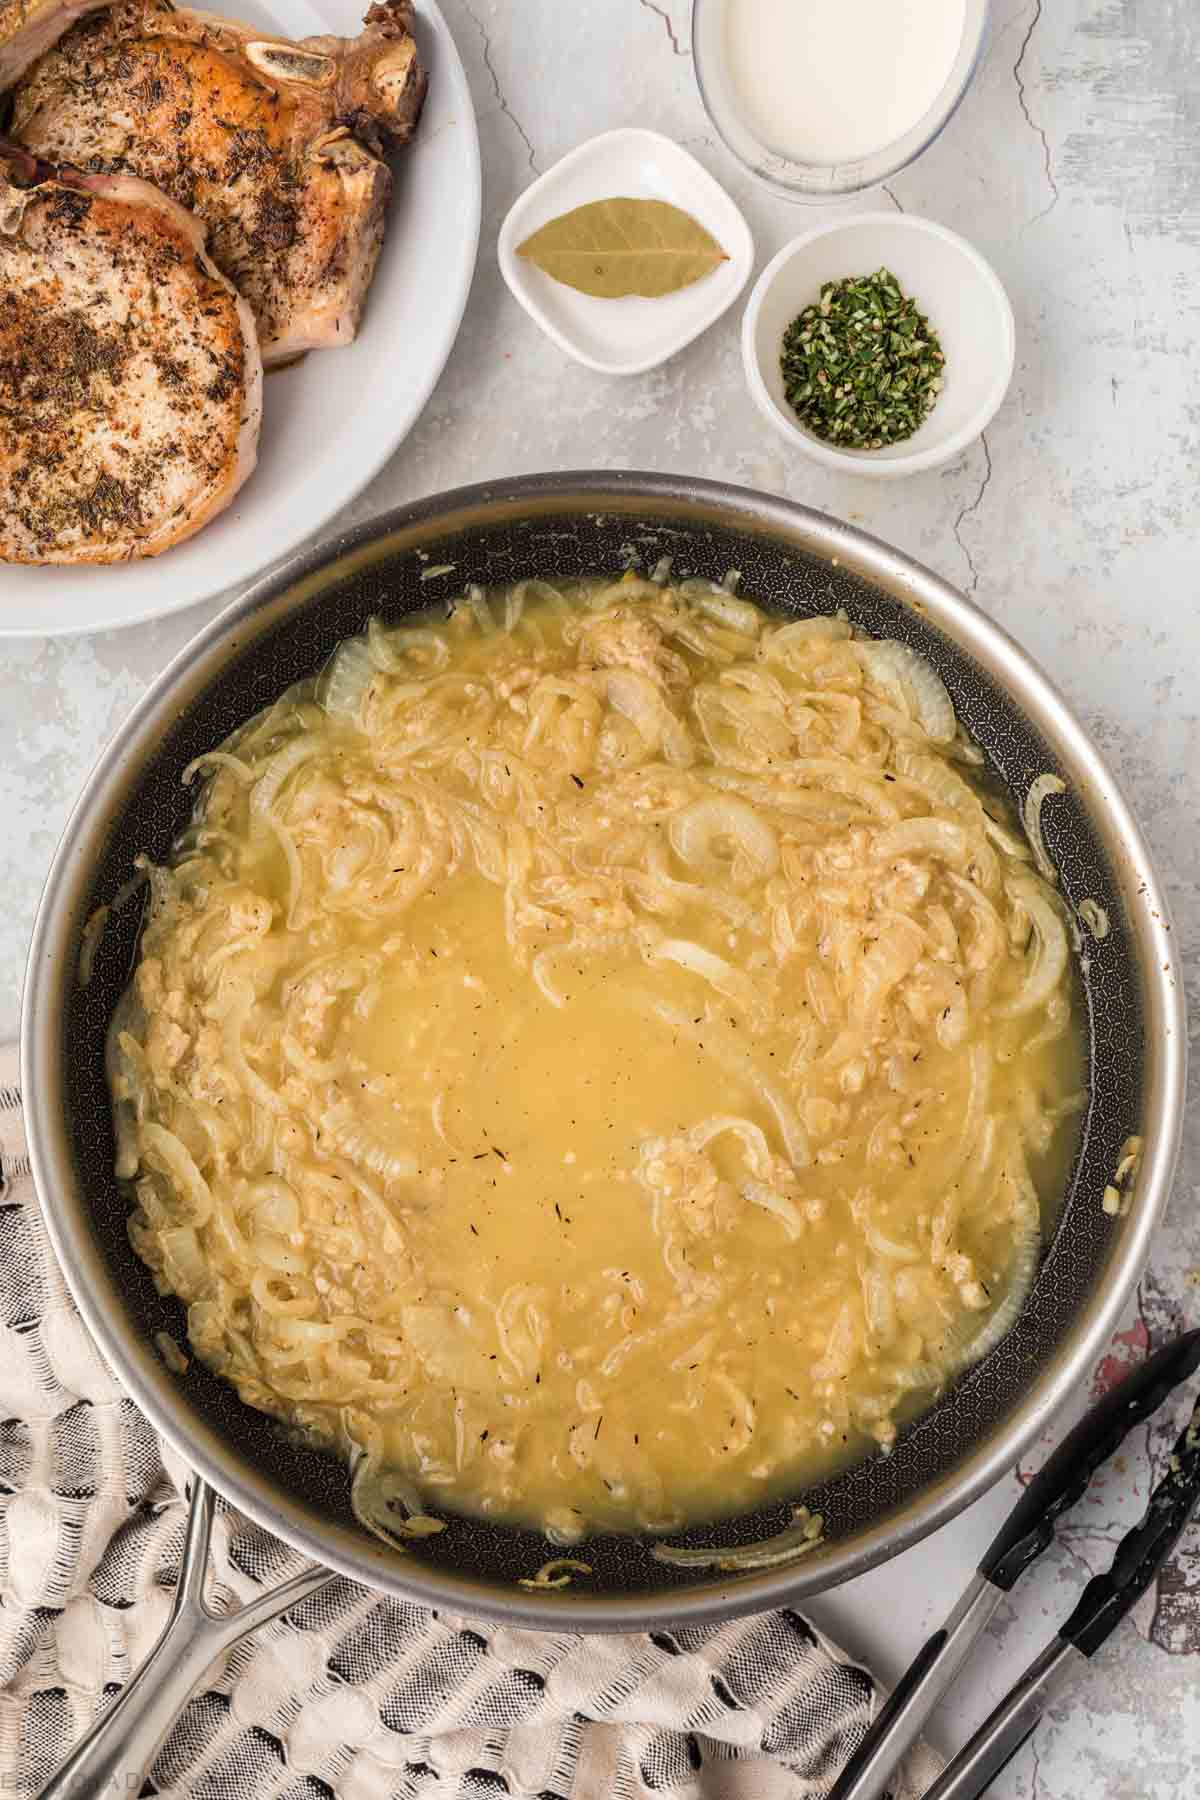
(130, 379)
(276, 146)
(27, 27)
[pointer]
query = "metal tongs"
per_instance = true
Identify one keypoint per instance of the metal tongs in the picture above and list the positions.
(1028, 1531)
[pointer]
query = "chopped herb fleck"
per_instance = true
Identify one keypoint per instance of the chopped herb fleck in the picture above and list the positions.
(862, 367)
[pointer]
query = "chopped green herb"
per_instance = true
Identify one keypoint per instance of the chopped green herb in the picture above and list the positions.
(862, 367)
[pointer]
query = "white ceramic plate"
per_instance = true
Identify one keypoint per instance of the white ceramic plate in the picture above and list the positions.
(331, 421)
(626, 337)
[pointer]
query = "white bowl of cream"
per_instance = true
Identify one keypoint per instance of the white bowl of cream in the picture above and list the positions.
(821, 98)
(953, 286)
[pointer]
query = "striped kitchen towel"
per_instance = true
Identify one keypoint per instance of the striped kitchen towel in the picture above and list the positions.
(354, 1694)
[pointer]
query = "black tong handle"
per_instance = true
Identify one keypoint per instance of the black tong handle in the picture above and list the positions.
(1063, 1480)
(1141, 1553)
(1028, 1530)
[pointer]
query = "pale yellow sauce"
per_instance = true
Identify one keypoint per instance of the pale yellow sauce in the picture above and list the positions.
(591, 1240)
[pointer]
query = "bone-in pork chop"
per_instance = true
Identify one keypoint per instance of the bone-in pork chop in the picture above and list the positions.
(276, 146)
(27, 27)
(130, 379)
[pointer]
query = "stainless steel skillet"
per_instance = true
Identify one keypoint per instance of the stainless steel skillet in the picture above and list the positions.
(791, 558)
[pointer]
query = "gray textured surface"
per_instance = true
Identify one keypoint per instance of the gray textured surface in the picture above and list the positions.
(1074, 165)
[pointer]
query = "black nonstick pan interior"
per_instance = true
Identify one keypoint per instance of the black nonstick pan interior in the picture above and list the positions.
(783, 575)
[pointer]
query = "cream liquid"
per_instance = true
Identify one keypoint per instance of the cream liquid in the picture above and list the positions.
(833, 81)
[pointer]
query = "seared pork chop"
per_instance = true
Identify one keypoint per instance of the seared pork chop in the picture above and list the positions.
(130, 379)
(276, 146)
(27, 27)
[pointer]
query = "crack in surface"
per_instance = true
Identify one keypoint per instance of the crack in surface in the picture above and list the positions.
(501, 100)
(664, 15)
(1029, 119)
(973, 507)
(893, 198)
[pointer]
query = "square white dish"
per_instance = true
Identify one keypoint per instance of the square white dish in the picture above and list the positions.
(628, 336)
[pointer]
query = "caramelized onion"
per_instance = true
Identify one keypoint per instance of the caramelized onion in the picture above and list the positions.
(697, 830)
(796, 1540)
(644, 834)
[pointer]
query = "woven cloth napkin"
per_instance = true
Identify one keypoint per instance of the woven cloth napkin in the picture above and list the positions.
(354, 1694)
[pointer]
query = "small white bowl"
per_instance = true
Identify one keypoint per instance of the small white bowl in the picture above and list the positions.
(820, 183)
(953, 286)
(628, 336)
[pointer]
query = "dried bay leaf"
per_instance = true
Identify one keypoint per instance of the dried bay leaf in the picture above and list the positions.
(610, 248)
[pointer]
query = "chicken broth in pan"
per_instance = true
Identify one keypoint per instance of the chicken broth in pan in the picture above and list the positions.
(599, 1059)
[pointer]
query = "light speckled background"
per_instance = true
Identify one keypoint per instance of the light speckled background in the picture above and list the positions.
(1075, 167)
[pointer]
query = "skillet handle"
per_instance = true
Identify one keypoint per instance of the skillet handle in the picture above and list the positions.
(113, 1758)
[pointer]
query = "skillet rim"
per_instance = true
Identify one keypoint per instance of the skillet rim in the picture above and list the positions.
(133, 1359)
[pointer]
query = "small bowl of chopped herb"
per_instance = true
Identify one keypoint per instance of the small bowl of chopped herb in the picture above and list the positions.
(880, 345)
